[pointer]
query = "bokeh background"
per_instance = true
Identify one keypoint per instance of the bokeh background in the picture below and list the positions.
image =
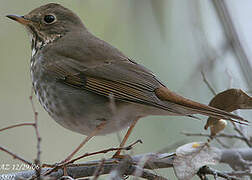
(175, 39)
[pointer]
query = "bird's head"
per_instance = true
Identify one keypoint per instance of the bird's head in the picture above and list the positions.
(48, 23)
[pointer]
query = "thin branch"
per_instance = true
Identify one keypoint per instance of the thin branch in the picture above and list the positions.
(36, 166)
(37, 160)
(208, 84)
(236, 127)
(56, 167)
(66, 178)
(157, 161)
(106, 151)
(221, 143)
(87, 169)
(99, 169)
(240, 173)
(222, 135)
(148, 175)
(16, 156)
(239, 131)
(207, 170)
(17, 125)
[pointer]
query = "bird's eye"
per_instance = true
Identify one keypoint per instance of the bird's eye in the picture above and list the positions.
(49, 19)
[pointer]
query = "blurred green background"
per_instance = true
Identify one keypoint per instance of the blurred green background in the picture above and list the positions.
(166, 36)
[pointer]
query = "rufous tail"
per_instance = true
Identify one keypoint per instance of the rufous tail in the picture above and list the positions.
(165, 94)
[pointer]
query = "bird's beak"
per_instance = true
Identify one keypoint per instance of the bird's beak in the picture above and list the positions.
(21, 19)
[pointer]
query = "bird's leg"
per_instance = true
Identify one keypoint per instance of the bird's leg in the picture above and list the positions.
(94, 133)
(117, 154)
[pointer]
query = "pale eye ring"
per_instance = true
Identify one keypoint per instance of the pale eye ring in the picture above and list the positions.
(49, 19)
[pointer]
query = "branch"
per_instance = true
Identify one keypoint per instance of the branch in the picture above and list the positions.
(207, 83)
(15, 156)
(17, 125)
(155, 161)
(37, 160)
(223, 135)
(240, 132)
(233, 157)
(207, 170)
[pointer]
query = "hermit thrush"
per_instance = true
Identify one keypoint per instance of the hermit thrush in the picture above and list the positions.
(83, 82)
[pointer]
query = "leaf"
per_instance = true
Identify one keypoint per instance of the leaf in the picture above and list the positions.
(190, 157)
(229, 100)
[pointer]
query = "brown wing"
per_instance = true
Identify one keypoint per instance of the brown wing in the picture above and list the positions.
(128, 81)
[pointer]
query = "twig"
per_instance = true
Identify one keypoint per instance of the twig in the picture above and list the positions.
(202, 176)
(230, 78)
(87, 169)
(208, 84)
(240, 173)
(56, 167)
(236, 127)
(245, 139)
(37, 160)
(172, 146)
(221, 135)
(207, 170)
(17, 125)
(35, 125)
(157, 161)
(221, 143)
(148, 175)
(66, 178)
(84, 141)
(127, 167)
(105, 151)
(16, 156)
(241, 136)
(98, 171)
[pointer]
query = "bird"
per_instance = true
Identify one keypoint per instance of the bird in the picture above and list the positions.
(90, 87)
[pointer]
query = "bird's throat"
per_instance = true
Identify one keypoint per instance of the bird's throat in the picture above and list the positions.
(40, 40)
